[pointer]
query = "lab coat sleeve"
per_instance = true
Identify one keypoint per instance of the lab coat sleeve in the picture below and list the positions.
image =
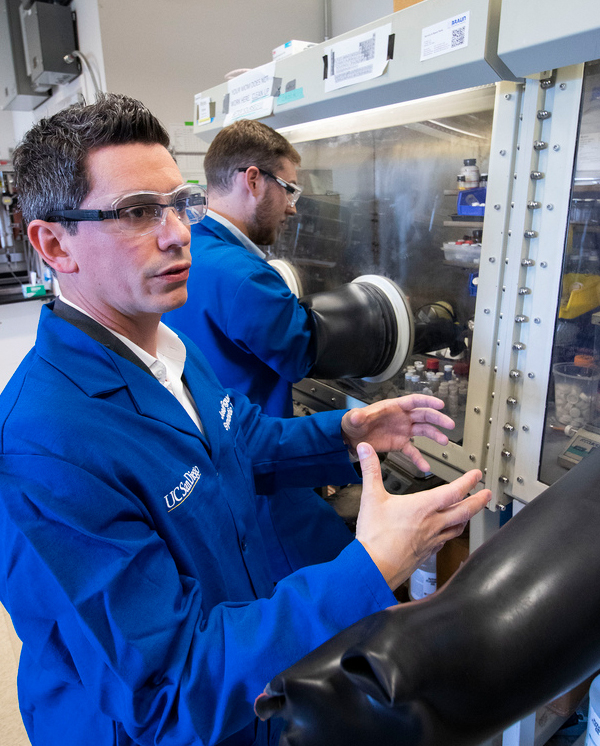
(282, 337)
(111, 609)
(294, 452)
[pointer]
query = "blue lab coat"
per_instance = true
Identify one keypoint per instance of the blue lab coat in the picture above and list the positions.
(257, 338)
(131, 560)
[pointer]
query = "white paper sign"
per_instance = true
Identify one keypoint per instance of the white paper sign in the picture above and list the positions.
(444, 37)
(357, 59)
(251, 94)
(202, 105)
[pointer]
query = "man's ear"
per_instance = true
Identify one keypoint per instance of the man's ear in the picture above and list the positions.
(254, 182)
(50, 240)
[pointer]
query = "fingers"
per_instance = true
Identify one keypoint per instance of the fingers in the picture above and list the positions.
(452, 493)
(415, 456)
(370, 467)
(413, 401)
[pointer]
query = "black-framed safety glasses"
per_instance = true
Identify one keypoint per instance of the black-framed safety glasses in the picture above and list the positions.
(293, 191)
(141, 213)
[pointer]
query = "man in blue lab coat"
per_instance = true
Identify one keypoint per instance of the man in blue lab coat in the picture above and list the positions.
(132, 563)
(254, 332)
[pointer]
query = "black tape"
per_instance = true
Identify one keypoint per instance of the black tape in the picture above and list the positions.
(226, 104)
(276, 89)
(391, 41)
(325, 65)
(290, 86)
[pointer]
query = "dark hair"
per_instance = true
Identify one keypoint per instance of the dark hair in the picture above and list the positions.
(242, 144)
(51, 161)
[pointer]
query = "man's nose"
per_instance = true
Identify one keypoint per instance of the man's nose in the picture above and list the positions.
(172, 229)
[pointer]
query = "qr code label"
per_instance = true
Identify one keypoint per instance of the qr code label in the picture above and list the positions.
(458, 37)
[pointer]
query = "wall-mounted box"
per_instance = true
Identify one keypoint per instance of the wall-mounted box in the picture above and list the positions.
(49, 35)
(17, 92)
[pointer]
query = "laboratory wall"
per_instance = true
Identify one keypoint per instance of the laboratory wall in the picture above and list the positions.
(348, 14)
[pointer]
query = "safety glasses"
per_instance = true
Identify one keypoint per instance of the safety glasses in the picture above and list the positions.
(141, 213)
(293, 190)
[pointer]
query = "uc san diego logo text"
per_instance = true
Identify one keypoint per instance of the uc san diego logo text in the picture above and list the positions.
(182, 491)
(226, 412)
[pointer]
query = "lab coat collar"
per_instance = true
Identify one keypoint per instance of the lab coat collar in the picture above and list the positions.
(99, 369)
(226, 231)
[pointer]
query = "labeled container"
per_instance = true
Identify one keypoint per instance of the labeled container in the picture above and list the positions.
(575, 391)
(470, 171)
(592, 737)
(423, 581)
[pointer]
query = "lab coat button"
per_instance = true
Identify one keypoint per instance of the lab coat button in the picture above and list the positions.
(243, 545)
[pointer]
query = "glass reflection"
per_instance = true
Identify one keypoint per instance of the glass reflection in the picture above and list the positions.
(387, 201)
(572, 425)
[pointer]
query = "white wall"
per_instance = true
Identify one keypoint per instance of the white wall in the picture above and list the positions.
(165, 51)
(350, 14)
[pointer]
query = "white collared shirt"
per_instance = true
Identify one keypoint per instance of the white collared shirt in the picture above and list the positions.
(167, 368)
(250, 245)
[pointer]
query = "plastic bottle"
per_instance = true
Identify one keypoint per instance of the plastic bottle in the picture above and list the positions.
(423, 581)
(592, 737)
(447, 372)
(470, 171)
(461, 182)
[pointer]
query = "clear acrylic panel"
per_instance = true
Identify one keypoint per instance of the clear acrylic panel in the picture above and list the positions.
(386, 201)
(572, 423)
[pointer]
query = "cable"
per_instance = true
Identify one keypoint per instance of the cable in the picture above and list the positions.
(70, 58)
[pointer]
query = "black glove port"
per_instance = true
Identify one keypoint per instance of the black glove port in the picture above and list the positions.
(362, 329)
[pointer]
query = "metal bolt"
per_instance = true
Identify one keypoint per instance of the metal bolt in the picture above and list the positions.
(510, 233)
(540, 145)
(503, 479)
(562, 86)
(481, 361)
(537, 320)
(501, 507)
(506, 455)
(444, 455)
(492, 260)
(486, 310)
(472, 457)
(536, 175)
(496, 207)
(550, 206)
(511, 401)
(546, 83)
(524, 291)
(533, 205)
(312, 389)
(476, 410)
(543, 265)
(530, 234)
(508, 427)
(520, 319)
(544, 114)
(556, 148)
(527, 262)
(518, 346)
(503, 152)
(520, 480)
(525, 428)
(515, 374)
(508, 96)
(490, 420)
(531, 375)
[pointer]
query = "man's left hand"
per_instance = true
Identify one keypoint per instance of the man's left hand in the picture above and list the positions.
(389, 425)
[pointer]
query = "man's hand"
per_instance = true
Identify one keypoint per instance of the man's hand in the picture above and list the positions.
(400, 531)
(389, 425)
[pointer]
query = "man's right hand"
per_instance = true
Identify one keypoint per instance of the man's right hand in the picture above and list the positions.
(401, 531)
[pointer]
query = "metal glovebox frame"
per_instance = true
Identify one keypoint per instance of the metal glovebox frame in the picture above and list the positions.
(521, 260)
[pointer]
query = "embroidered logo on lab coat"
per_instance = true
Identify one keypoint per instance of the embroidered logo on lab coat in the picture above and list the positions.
(226, 412)
(183, 490)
